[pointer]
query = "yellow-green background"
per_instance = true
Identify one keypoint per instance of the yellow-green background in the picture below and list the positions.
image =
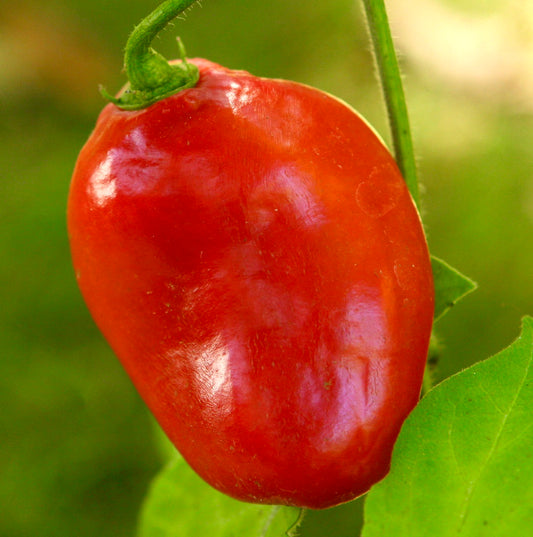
(77, 447)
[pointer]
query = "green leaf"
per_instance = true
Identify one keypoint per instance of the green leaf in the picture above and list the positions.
(450, 286)
(180, 504)
(345, 520)
(463, 462)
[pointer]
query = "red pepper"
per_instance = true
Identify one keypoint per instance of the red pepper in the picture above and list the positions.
(250, 251)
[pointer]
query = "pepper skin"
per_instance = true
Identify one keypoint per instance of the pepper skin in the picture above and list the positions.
(250, 251)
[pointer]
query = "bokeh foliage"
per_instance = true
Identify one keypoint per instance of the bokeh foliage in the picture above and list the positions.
(77, 448)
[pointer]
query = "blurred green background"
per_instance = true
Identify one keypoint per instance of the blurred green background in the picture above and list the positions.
(77, 447)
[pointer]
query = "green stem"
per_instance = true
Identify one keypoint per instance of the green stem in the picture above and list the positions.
(151, 77)
(391, 81)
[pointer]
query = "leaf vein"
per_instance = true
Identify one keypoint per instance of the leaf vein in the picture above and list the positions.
(505, 417)
(452, 446)
(491, 398)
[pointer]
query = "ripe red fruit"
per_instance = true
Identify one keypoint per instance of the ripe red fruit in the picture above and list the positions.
(250, 251)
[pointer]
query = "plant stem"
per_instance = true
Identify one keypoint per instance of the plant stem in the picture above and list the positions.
(391, 82)
(151, 77)
(138, 52)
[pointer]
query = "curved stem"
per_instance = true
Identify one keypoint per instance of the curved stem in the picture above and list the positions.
(138, 52)
(151, 77)
(389, 73)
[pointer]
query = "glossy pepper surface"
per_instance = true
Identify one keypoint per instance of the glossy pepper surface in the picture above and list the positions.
(250, 251)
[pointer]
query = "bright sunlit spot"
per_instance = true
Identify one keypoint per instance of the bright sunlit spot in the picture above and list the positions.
(102, 184)
(213, 373)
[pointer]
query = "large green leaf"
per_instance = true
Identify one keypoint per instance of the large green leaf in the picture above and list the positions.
(463, 462)
(450, 286)
(180, 504)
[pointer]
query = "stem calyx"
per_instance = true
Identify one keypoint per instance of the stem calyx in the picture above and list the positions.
(151, 77)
